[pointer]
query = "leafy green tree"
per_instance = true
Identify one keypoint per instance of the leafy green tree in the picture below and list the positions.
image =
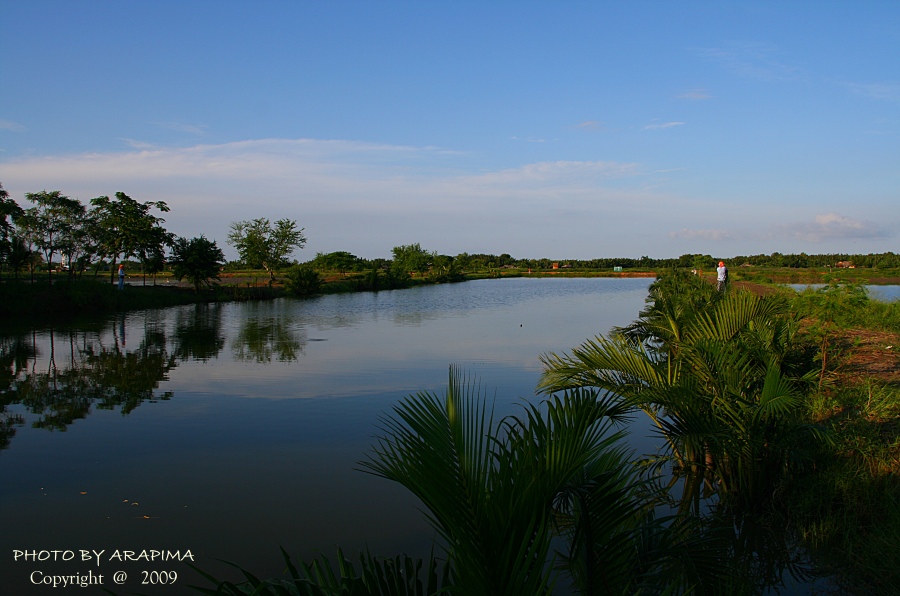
(341, 261)
(264, 246)
(9, 211)
(126, 228)
(411, 258)
(444, 269)
(18, 255)
(55, 224)
(198, 259)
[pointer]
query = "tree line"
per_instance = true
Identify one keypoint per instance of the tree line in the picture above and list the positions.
(59, 232)
(109, 230)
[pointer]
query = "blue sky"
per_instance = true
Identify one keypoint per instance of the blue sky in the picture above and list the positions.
(539, 129)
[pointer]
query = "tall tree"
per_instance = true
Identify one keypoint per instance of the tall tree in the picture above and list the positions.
(198, 259)
(9, 211)
(262, 245)
(127, 228)
(411, 257)
(53, 223)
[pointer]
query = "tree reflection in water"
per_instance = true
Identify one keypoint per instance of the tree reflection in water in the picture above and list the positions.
(15, 353)
(262, 338)
(198, 333)
(56, 377)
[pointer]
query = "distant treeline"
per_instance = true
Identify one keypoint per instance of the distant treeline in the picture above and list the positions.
(344, 261)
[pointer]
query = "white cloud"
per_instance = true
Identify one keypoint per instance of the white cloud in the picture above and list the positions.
(351, 195)
(366, 197)
(880, 91)
(194, 129)
(695, 94)
(663, 125)
(11, 126)
(832, 226)
(528, 139)
(753, 60)
(705, 235)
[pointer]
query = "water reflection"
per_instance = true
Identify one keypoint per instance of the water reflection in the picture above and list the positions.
(284, 396)
(58, 382)
(198, 334)
(56, 376)
(261, 339)
(15, 353)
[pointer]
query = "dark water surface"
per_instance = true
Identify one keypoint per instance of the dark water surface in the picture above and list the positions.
(228, 430)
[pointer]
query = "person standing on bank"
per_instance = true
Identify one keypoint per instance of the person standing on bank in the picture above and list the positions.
(721, 276)
(121, 277)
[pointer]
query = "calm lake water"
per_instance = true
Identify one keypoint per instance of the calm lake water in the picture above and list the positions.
(230, 430)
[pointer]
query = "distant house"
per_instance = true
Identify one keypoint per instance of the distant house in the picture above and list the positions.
(556, 265)
(845, 265)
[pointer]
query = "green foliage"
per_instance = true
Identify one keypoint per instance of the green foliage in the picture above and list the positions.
(17, 255)
(262, 245)
(56, 224)
(198, 259)
(124, 228)
(376, 576)
(498, 492)
(340, 261)
(303, 281)
(9, 211)
(718, 381)
(847, 305)
(411, 258)
(444, 269)
(376, 279)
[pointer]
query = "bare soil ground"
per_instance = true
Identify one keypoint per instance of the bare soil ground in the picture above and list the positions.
(868, 354)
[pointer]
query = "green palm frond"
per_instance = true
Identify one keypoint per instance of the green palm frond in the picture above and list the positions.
(375, 576)
(714, 373)
(614, 364)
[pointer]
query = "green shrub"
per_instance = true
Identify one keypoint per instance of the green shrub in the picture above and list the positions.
(302, 281)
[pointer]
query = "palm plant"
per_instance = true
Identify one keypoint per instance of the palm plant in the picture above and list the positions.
(718, 381)
(498, 491)
(376, 576)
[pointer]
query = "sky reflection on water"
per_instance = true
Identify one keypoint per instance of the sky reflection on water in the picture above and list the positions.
(262, 411)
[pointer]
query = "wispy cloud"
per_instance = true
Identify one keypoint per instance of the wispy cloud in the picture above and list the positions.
(136, 144)
(363, 197)
(833, 226)
(753, 60)
(194, 129)
(880, 91)
(360, 196)
(590, 125)
(663, 125)
(529, 139)
(321, 173)
(695, 94)
(11, 126)
(705, 235)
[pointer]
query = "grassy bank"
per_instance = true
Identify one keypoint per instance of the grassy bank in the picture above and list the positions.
(848, 512)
